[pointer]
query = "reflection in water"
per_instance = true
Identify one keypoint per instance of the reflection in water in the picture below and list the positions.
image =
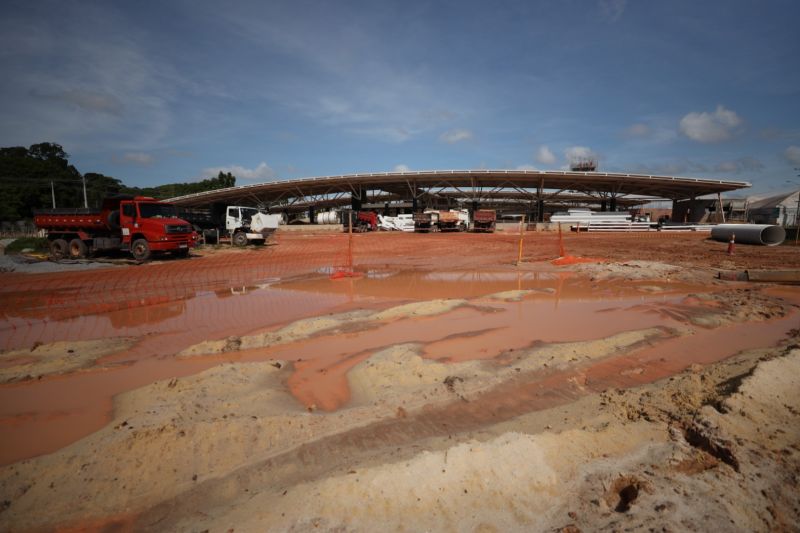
(418, 285)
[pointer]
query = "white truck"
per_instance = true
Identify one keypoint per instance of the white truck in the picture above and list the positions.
(249, 225)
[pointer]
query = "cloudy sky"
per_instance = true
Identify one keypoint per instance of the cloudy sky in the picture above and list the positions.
(154, 92)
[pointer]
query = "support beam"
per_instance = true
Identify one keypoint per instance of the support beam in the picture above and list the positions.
(356, 198)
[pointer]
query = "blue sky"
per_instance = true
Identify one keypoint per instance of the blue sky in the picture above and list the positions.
(156, 92)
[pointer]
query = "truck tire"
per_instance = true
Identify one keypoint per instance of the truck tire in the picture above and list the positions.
(77, 249)
(239, 239)
(58, 249)
(140, 250)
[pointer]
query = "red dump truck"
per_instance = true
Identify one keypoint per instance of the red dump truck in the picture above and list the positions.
(484, 220)
(139, 225)
(362, 221)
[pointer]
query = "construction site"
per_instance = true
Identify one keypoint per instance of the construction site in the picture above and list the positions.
(481, 350)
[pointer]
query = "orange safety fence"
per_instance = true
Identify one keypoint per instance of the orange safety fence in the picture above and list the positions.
(217, 289)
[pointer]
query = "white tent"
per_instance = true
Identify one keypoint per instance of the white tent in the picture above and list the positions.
(780, 209)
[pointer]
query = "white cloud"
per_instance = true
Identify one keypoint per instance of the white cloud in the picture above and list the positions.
(706, 127)
(456, 135)
(136, 158)
(401, 168)
(261, 172)
(612, 9)
(574, 153)
(545, 156)
(792, 155)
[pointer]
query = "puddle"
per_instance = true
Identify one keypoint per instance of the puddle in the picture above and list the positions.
(44, 415)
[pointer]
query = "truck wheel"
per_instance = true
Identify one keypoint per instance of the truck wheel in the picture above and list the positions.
(140, 250)
(58, 249)
(77, 249)
(239, 239)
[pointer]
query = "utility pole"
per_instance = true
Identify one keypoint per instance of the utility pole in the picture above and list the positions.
(85, 201)
(53, 193)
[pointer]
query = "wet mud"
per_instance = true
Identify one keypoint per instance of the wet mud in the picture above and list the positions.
(399, 355)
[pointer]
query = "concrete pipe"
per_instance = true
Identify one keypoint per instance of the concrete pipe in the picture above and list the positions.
(749, 233)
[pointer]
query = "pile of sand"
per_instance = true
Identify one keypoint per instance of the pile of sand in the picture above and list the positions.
(309, 327)
(58, 357)
(612, 474)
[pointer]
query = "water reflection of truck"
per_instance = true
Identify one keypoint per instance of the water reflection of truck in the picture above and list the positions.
(139, 225)
(240, 224)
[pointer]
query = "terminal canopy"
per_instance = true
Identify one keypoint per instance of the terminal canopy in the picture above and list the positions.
(463, 185)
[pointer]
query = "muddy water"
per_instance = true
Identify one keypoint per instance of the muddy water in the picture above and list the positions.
(42, 416)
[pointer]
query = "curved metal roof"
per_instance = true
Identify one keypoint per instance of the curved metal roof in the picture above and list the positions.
(474, 184)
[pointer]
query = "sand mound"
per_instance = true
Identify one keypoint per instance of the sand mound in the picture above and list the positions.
(426, 308)
(399, 374)
(58, 357)
(509, 483)
(632, 270)
(308, 327)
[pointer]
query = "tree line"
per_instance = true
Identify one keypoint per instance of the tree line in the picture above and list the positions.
(31, 177)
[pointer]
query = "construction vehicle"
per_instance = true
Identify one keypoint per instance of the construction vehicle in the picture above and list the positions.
(139, 225)
(399, 223)
(453, 220)
(426, 222)
(362, 220)
(240, 224)
(249, 225)
(484, 220)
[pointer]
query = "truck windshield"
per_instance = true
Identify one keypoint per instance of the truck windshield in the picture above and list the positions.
(157, 211)
(248, 212)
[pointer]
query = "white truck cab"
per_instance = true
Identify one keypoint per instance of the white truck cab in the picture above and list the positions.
(249, 225)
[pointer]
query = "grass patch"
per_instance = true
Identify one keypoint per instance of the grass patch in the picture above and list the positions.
(37, 244)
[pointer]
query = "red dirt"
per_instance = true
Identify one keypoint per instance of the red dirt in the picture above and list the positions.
(173, 304)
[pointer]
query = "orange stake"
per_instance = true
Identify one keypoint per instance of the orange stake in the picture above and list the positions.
(350, 243)
(561, 252)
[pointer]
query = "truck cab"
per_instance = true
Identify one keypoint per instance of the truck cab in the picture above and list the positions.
(148, 225)
(249, 225)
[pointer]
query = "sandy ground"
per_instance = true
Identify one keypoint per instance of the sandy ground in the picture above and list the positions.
(688, 419)
(57, 358)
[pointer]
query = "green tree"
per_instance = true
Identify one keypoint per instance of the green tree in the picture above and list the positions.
(100, 186)
(30, 176)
